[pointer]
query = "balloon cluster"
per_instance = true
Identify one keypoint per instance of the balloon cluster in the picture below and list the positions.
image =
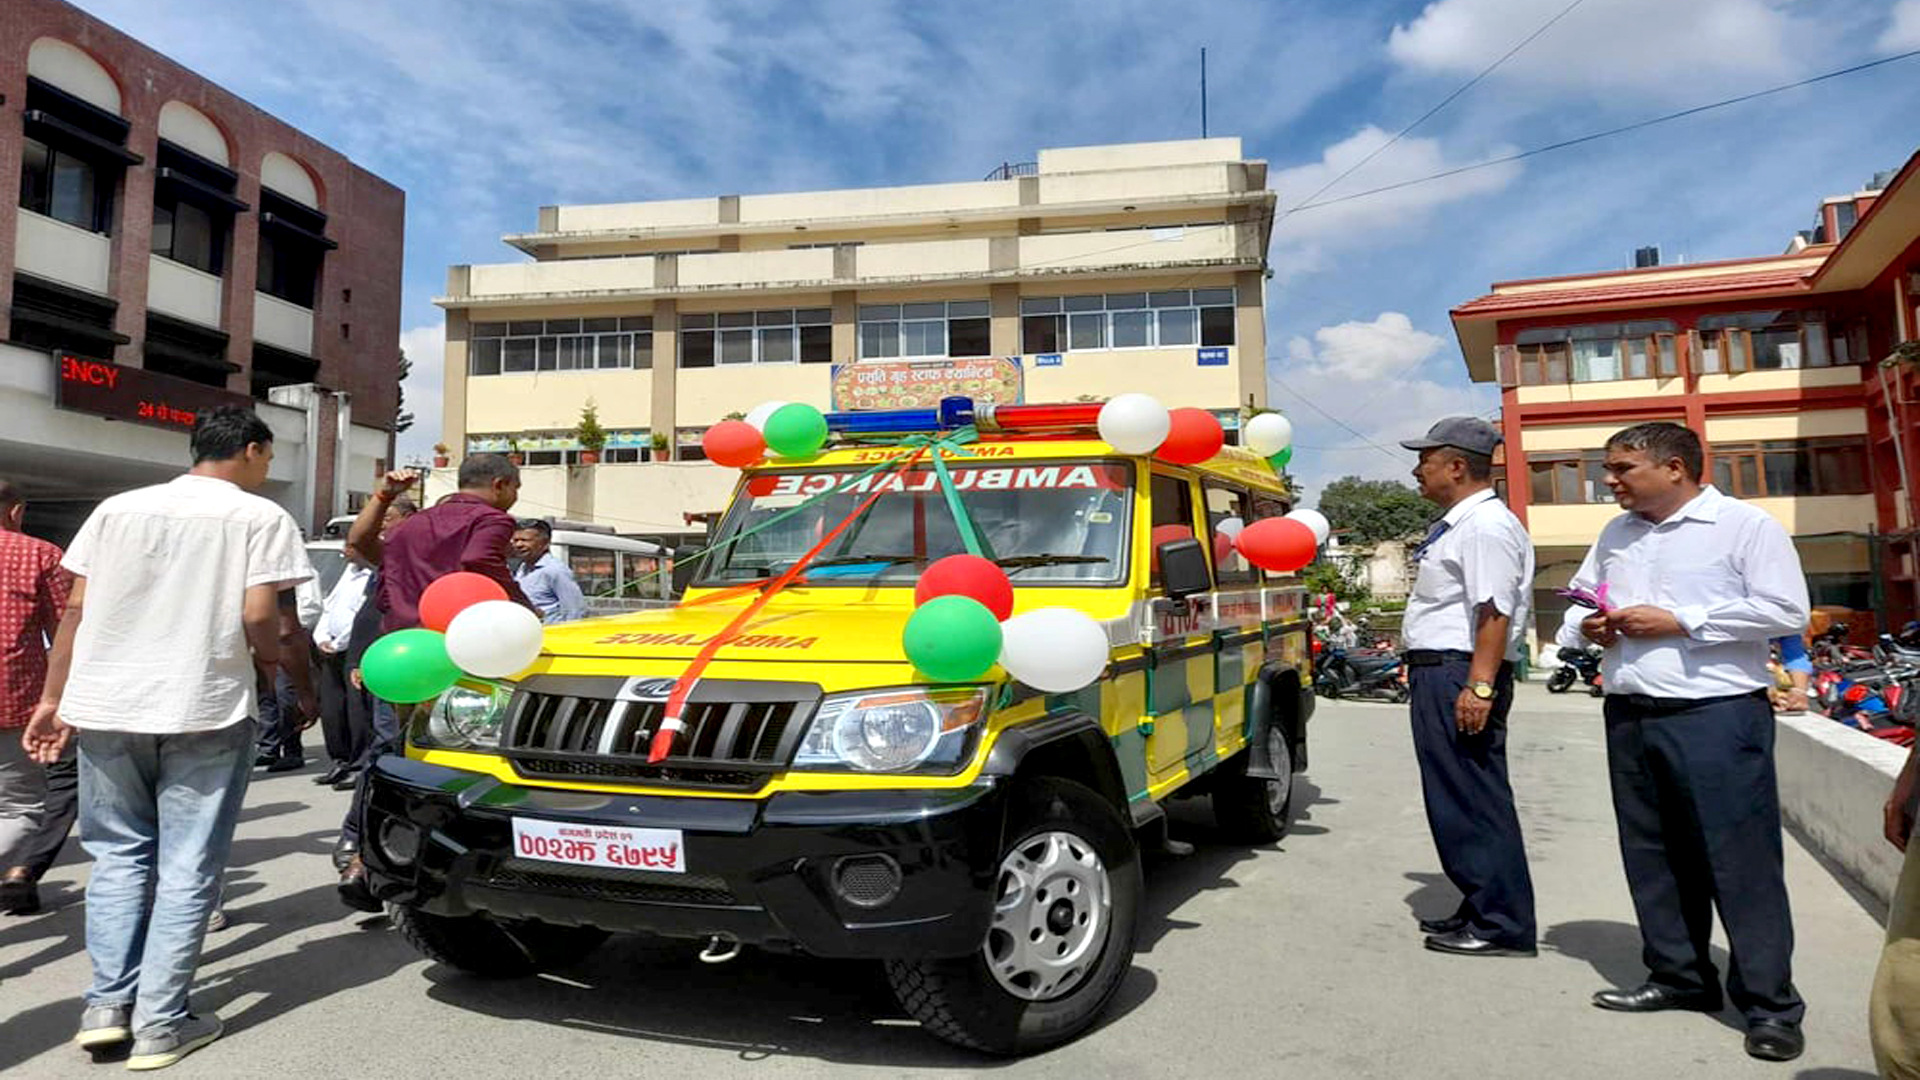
(1281, 544)
(1139, 424)
(468, 626)
(790, 429)
(964, 623)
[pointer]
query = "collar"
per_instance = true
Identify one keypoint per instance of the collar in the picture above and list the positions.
(197, 478)
(463, 497)
(1465, 506)
(1704, 507)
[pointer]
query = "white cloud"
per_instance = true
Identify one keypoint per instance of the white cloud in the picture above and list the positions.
(1635, 48)
(1903, 29)
(1389, 345)
(426, 347)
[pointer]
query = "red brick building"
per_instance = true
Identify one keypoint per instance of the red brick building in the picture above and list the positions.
(1791, 365)
(205, 250)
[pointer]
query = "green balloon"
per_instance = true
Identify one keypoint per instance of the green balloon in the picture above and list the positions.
(952, 638)
(796, 430)
(408, 666)
(1279, 460)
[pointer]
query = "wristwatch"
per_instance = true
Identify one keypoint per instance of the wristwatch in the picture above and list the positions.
(1482, 690)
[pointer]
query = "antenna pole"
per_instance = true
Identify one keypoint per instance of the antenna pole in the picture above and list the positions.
(1203, 91)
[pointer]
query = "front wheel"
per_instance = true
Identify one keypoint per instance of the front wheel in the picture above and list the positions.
(483, 945)
(1065, 908)
(1560, 681)
(1256, 811)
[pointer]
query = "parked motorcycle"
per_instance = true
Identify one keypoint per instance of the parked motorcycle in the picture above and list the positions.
(1577, 665)
(1360, 673)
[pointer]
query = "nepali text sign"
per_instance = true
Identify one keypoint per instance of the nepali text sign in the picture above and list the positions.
(920, 384)
(135, 394)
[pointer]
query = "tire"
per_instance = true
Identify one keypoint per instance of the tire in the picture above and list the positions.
(1400, 695)
(1560, 681)
(1596, 690)
(1252, 810)
(482, 945)
(1056, 825)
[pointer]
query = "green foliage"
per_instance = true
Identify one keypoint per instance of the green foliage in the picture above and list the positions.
(590, 434)
(1366, 512)
(1327, 576)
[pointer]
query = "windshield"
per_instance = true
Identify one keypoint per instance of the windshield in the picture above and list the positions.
(1061, 523)
(327, 562)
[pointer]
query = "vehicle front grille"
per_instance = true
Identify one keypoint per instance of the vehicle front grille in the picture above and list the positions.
(737, 733)
(634, 889)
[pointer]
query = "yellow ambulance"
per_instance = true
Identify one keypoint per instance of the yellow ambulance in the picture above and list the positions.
(983, 840)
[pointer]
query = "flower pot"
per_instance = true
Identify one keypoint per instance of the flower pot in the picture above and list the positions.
(589, 457)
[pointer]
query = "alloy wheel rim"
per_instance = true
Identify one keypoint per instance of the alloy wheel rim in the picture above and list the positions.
(1052, 912)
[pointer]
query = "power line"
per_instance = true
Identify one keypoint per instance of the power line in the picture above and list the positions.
(1444, 102)
(1609, 132)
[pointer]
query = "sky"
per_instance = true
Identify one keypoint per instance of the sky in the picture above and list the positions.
(485, 110)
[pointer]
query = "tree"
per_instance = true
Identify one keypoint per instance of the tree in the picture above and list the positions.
(1366, 512)
(402, 419)
(1334, 576)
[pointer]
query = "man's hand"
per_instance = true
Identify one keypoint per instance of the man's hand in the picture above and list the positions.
(46, 735)
(1899, 823)
(1645, 621)
(1796, 701)
(354, 677)
(1598, 629)
(1470, 712)
(309, 705)
(397, 483)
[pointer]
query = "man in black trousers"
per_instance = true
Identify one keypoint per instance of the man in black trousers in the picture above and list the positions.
(1462, 633)
(1697, 584)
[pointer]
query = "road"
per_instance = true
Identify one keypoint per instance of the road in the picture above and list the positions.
(1300, 959)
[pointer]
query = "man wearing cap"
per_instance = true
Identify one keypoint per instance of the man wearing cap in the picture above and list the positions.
(1462, 633)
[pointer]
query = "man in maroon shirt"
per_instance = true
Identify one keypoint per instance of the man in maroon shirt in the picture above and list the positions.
(469, 530)
(33, 594)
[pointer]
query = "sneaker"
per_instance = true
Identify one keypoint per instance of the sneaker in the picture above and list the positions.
(104, 1025)
(168, 1047)
(218, 920)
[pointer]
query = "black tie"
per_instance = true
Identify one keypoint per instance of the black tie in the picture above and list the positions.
(1439, 529)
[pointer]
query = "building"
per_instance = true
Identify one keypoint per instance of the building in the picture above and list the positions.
(174, 248)
(1090, 272)
(1791, 365)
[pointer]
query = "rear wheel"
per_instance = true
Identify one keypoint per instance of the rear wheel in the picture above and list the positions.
(1560, 680)
(1250, 809)
(1062, 934)
(483, 945)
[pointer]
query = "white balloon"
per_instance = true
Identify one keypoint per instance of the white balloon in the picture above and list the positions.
(1134, 423)
(494, 639)
(1315, 520)
(1053, 649)
(1267, 434)
(757, 416)
(1229, 527)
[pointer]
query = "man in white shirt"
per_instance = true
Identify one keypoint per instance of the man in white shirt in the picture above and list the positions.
(179, 588)
(1696, 583)
(1462, 632)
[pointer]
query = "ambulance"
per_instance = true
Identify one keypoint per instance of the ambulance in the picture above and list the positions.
(982, 840)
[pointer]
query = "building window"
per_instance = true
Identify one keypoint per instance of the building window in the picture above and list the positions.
(64, 187)
(533, 345)
(1763, 341)
(1568, 477)
(1788, 467)
(293, 245)
(1845, 216)
(688, 446)
(193, 208)
(781, 336)
(1600, 352)
(938, 328)
(72, 154)
(1170, 318)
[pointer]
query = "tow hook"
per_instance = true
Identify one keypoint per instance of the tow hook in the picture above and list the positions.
(720, 949)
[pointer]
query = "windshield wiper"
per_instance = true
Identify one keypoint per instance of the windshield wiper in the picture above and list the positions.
(861, 560)
(1028, 562)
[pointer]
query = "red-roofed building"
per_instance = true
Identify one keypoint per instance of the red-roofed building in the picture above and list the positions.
(1790, 365)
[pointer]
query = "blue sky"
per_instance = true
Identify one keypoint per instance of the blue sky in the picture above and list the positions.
(484, 110)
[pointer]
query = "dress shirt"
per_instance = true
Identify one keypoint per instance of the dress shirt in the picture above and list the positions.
(463, 532)
(343, 603)
(550, 585)
(1729, 574)
(33, 596)
(1483, 557)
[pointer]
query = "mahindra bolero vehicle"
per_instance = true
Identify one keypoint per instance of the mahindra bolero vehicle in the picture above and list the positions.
(981, 839)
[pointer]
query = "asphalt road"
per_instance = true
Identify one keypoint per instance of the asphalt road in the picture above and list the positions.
(1299, 959)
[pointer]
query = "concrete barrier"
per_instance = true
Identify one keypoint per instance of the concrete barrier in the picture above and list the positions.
(1834, 782)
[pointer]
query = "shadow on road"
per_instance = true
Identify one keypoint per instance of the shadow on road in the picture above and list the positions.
(1612, 949)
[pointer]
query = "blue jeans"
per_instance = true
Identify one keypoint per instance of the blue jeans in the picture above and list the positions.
(157, 815)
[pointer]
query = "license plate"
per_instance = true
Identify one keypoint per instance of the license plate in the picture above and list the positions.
(615, 847)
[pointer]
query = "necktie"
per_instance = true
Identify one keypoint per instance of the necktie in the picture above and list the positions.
(1439, 529)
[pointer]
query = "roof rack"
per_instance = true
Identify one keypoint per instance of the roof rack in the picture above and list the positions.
(954, 413)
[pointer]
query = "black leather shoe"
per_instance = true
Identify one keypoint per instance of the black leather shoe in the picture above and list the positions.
(1443, 926)
(347, 782)
(1464, 943)
(344, 852)
(1771, 1040)
(354, 891)
(332, 776)
(264, 759)
(286, 764)
(18, 896)
(1652, 997)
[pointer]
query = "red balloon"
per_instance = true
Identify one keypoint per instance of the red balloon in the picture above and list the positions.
(1166, 534)
(1194, 437)
(1279, 544)
(970, 576)
(451, 594)
(1222, 551)
(734, 443)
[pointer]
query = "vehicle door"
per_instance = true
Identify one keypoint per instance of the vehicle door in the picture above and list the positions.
(1177, 717)
(1237, 611)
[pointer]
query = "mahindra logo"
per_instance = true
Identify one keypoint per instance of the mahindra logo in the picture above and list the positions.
(647, 689)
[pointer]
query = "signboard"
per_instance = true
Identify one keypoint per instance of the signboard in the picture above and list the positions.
(920, 384)
(1047, 359)
(1213, 357)
(103, 388)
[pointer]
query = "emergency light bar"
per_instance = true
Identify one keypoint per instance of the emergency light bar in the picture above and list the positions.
(958, 412)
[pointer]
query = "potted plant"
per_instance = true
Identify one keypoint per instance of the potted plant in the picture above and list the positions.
(590, 434)
(660, 447)
(440, 455)
(513, 452)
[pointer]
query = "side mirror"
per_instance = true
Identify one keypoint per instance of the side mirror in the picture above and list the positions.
(1183, 568)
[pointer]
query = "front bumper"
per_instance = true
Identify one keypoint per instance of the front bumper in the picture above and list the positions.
(758, 871)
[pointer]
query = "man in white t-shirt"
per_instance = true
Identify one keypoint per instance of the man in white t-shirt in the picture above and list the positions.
(179, 588)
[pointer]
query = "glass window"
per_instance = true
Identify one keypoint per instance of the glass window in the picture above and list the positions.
(696, 348)
(1170, 299)
(289, 269)
(735, 318)
(1790, 467)
(593, 570)
(489, 329)
(563, 326)
(1213, 297)
(1230, 567)
(1216, 324)
(483, 357)
(527, 327)
(1132, 329)
(599, 326)
(776, 345)
(1087, 331)
(970, 336)
(1568, 478)
(1041, 334)
(1039, 305)
(1172, 500)
(1125, 301)
(923, 338)
(636, 322)
(518, 354)
(967, 309)
(816, 344)
(1178, 326)
(879, 340)
(736, 346)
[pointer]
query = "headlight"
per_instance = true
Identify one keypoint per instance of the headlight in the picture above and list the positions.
(466, 717)
(893, 731)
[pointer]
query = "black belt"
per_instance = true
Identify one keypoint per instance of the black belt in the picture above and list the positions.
(1648, 703)
(1430, 657)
